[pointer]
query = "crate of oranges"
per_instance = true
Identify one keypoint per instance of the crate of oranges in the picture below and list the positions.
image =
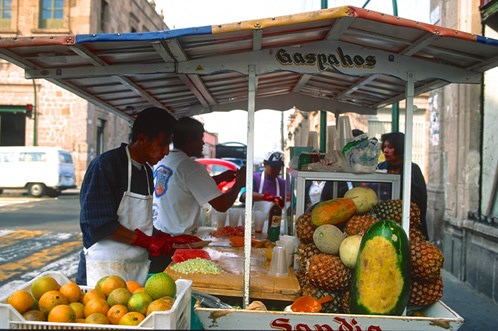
(52, 301)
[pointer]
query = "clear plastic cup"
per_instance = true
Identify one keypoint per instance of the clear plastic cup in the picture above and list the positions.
(219, 218)
(233, 216)
(279, 266)
(259, 220)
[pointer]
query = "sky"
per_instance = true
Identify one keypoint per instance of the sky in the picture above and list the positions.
(232, 126)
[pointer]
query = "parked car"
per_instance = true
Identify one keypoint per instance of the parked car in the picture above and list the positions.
(217, 166)
(239, 162)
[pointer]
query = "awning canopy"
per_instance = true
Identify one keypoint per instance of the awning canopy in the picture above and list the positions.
(343, 59)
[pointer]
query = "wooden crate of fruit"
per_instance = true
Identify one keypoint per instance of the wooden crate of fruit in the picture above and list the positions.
(17, 309)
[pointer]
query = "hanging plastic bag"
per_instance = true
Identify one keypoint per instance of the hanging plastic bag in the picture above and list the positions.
(362, 154)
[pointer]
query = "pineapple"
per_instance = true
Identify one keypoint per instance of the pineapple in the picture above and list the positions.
(423, 293)
(416, 235)
(328, 272)
(359, 224)
(333, 306)
(304, 228)
(345, 302)
(304, 254)
(301, 278)
(393, 210)
(426, 260)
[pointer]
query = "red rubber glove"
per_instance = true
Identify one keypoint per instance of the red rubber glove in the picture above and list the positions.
(271, 198)
(268, 197)
(185, 239)
(156, 245)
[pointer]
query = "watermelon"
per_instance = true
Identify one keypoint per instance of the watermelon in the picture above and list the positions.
(181, 255)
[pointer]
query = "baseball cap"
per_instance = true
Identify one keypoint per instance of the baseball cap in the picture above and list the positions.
(275, 159)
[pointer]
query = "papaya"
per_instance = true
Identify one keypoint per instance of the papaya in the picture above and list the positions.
(335, 211)
(381, 278)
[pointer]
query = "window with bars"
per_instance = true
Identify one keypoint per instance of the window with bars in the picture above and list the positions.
(51, 14)
(5, 14)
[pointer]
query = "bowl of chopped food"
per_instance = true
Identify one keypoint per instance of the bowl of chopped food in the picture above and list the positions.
(237, 241)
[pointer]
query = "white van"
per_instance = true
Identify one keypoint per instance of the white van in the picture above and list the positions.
(41, 170)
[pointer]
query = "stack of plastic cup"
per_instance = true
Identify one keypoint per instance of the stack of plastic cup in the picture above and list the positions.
(279, 266)
(219, 219)
(290, 243)
(233, 216)
(345, 134)
(259, 221)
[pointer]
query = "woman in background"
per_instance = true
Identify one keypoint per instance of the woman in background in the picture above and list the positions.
(393, 147)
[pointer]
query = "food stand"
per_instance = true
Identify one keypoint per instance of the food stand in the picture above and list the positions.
(340, 60)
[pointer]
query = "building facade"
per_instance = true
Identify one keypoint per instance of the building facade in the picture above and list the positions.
(463, 158)
(60, 118)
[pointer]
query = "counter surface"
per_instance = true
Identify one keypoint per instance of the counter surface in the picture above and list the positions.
(231, 281)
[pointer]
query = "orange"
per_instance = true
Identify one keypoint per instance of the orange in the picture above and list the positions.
(93, 294)
(97, 318)
(51, 299)
(79, 309)
(131, 318)
(111, 283)
(34, 315)
(139, 302)
(22, 301)
(139, 290)
(96, 305)
(132, 285)
(42, 285)
(80, 320)
(115, 313)
(119, 296)
(159, 305)
(72, 292)
(160, 285)
(98, 285)
(62, 313)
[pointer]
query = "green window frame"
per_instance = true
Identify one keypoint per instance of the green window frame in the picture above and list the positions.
(51, 14)
(5, 14)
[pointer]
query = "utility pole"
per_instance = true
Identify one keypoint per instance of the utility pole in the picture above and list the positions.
(323, 114)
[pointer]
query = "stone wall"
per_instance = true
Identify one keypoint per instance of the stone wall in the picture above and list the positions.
(455, 194)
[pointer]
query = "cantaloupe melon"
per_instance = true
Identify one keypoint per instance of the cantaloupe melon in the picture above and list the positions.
(328, 238)
(348, 251)
(364, 198)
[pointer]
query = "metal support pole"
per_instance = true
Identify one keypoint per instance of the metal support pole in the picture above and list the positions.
(35, 106)
(251, 105)
(407, 159)
(323, 114)
(395, 117)
(395, 106)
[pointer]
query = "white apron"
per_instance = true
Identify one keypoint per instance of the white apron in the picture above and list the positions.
(265, 206)
(109, 257)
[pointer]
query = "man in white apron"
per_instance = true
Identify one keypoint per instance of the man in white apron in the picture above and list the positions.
(268, 184)
(116, 204)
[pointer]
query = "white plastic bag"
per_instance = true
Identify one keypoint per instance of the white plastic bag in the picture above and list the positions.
(362, 154)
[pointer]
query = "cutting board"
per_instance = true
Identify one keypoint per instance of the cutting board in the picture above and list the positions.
(231, 281)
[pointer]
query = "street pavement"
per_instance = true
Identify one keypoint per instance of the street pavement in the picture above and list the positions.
(480, 313)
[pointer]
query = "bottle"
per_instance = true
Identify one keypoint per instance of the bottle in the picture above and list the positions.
(274, 219)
